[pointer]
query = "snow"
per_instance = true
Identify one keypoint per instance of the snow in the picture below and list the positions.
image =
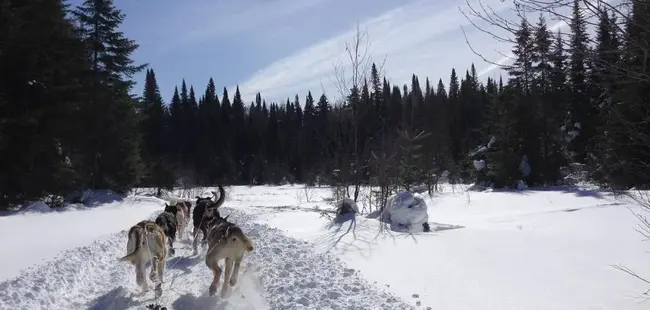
(281, 273)
(38, 237)
(405, 212)
(551, 248)
(37, 207)
(479, 164)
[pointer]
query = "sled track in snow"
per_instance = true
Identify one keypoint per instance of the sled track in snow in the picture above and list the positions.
(281, 273)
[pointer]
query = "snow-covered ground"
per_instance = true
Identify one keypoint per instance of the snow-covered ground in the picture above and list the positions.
(535, 249)
(80, 249)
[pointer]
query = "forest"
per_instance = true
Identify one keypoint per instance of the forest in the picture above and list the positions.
(68, 119)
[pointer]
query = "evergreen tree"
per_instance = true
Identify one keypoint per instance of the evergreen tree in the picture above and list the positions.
(39, 101)
(153, 118)
(112, 140)
(580, 127)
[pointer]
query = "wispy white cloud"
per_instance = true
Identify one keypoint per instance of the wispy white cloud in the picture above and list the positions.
(209, 20)
(421, 37)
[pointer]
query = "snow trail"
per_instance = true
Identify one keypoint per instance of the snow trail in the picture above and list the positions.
(281, 273)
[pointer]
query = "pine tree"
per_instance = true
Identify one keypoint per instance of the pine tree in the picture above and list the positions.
(39, 101)
(112, 139)
(153, 119)
(522, 68)
(580, 127)
(548, 159)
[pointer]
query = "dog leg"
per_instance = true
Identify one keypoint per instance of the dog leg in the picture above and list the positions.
(195, 242)
(170, 241)
(235, 272)
(204, 240)
(156, 275)
(161, 271)
(181, 225)
(139, 276)
(152, 273)
(216, 274)
(225, 286)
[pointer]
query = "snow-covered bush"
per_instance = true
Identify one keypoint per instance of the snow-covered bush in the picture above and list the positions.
(406, 212)
(346, 206)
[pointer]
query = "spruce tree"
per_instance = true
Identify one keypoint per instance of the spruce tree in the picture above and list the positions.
(112, 139)
(39, 101)
(580, 127)
(155, 153)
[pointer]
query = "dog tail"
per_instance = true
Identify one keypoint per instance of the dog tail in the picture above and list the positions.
(136, 234)
(222, 196)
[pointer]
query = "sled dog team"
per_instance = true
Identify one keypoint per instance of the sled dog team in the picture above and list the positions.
(151, 241)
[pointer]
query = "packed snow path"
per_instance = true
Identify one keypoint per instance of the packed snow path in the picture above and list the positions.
(282, 273)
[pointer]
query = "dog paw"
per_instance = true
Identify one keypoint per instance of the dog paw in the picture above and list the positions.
(212, 290)
(224, 293)
(158, 291)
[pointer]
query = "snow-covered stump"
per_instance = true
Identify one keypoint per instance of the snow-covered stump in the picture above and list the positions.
(406, 212)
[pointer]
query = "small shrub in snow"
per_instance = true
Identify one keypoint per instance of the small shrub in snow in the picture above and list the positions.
(346, 206)
(406, 212)
(306, 194)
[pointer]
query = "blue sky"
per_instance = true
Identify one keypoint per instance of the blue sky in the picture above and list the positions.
(284, 47)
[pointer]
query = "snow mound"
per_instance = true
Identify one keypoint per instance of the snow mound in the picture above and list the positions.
(406, 212)
(37, 207)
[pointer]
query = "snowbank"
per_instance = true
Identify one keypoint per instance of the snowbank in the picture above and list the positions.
(36, 207)
(34, 237)
(406, 212)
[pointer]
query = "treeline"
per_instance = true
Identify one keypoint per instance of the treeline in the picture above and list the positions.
(67, 121)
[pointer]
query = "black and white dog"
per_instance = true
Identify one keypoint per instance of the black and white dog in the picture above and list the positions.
(167, 221)
(205, 211)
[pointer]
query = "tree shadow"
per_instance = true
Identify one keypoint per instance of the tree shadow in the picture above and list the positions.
(578, 191)
(339, 227)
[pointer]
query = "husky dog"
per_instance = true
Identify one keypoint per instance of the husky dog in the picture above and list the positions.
(226, 241)
(147, 243)
(203, 212)
(168, 224)
(179, 212)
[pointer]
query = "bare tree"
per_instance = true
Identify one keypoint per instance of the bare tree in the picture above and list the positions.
(348, 84)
